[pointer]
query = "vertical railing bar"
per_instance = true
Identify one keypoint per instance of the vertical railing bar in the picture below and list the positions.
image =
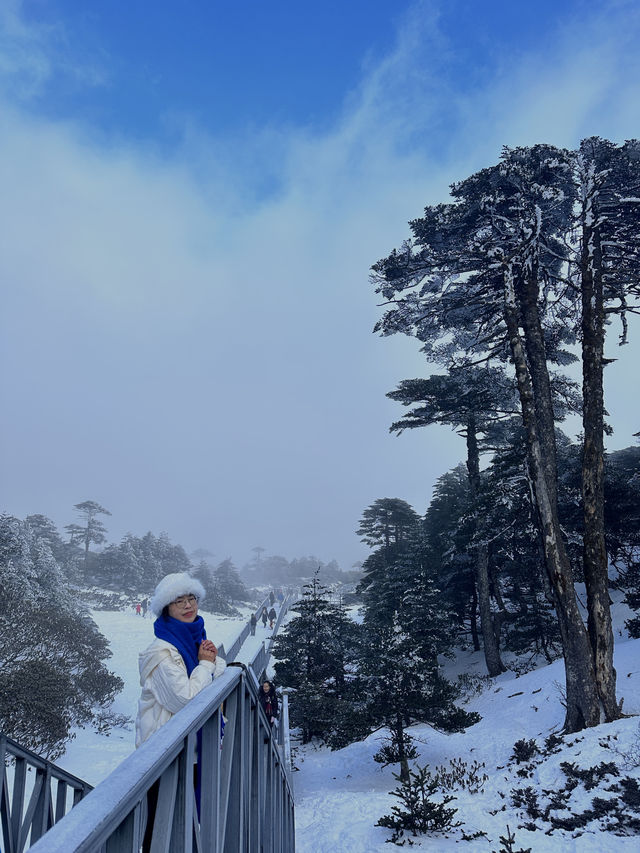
(30, 812)
(126, 838)
(61, 800)
(268, 796)
(228, 743)
(210, 816)
(165, 808)
(19, 780)
(254, 778)
(234, 804)
(261, 774)
(42, 805)
(246, 769)
(5, 808)
(182, 829)
(279, 824)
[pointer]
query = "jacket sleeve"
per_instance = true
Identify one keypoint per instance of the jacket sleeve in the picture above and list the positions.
(220, 666)
(173, 688)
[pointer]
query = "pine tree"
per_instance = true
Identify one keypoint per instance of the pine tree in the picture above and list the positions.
(485, 279)
(313, 652)
(46, 639)
(474, 401)
(398, 671)
(214, 599)
(228, 582)
(92, 531)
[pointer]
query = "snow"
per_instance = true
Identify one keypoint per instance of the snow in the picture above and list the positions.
(340, 795)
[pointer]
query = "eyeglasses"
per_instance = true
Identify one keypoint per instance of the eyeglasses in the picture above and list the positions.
(185, 600)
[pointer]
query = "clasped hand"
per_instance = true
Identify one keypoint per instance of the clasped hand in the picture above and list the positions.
(207, 651)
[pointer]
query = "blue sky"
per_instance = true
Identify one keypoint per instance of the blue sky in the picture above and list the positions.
(234, 66)
(193, 194)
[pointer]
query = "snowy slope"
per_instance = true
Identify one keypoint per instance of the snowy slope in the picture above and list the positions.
(340, 795)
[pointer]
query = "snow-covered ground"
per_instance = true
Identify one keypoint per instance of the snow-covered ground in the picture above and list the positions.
(340, 795)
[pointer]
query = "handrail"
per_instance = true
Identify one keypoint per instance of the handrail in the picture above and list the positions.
(19, 824)
(247, 800)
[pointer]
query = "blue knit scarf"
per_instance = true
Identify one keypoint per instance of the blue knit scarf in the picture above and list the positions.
(185, 636)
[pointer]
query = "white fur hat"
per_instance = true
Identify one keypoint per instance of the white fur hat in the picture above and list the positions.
(173, 586)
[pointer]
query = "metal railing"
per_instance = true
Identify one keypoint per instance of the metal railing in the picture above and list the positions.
(28, 805)
(246, 793)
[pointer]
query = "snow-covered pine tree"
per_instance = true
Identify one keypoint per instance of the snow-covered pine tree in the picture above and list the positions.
(482, 280)
(52, 672)
(392, 525)
(447, 531)
(214, 600)
(91, 532)
(228, 582)
(472, 400)
(398, 671)
(607, 263)
(313, 653)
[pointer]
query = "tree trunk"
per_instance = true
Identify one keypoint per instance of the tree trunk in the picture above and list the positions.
(473, 618)
(582, 708)
(481, 563)
(594, 549)
(402, 753)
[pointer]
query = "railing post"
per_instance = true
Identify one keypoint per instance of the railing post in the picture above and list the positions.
(41, 814)
(255, 780)
(182, 832)
(233, 822)
(126, 838)
(17, 804)
(210, 806)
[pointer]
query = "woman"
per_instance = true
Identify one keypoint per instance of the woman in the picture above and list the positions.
(178, 664)
(269, 701)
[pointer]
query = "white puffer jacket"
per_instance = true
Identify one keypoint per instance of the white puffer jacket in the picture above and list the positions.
(166, 687)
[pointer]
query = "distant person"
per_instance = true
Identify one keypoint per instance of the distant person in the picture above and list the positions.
(280, 596)
(264, 617)
(178, 664)
(138, 610)
(269, 701)
(145, 605)
(272, 617)
(272, 598)
(252, 623)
